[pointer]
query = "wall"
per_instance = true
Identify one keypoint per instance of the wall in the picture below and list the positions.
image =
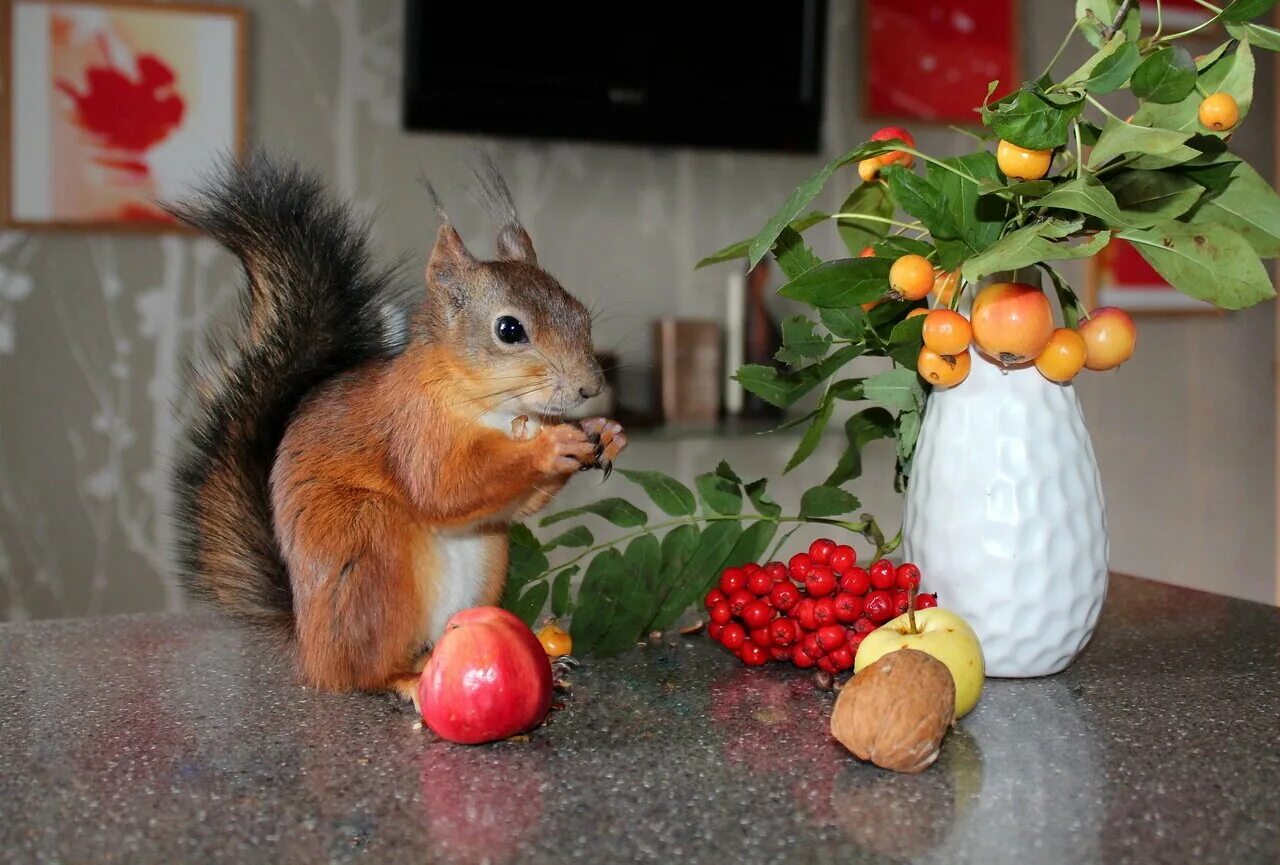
(92, 328)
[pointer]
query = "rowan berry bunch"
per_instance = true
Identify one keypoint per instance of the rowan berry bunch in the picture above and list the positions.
(813, 611)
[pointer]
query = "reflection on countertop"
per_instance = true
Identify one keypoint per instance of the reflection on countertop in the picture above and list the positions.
(172, 739)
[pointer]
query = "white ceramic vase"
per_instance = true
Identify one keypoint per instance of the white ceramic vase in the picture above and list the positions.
(1005, 517)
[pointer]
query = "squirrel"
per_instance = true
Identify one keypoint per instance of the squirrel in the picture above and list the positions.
(347, 484)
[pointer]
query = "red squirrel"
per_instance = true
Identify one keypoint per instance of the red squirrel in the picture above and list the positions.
(346, 490)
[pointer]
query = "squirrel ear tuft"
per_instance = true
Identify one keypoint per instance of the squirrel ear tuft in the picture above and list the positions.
(514, 244)
(447, 266)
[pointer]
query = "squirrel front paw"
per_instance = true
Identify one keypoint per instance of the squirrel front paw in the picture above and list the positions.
(564, 449)
(609, 440)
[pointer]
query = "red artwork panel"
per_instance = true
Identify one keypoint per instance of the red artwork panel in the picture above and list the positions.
(115, 106)
(933, 59)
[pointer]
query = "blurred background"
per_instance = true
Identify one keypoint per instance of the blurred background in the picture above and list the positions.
(96, 319)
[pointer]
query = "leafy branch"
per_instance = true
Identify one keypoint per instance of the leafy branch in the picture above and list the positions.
(644, 579)
(1160, 180)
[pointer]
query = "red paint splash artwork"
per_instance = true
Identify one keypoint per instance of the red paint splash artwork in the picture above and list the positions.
(124, 105)
(127, 114)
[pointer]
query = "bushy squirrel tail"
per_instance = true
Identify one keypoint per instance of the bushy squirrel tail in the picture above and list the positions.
(312, 306)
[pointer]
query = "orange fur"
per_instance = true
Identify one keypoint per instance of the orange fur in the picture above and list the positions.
(374, 472)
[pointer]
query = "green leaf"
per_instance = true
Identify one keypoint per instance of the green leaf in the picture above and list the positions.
(703, 568)
(520, 536)
(782, 388)
(1261, 36)
(1041, 241)
(979, 219)
(720, 495)
(578, 536)
(1166, 76)
(1119, 138)
(1248, 206)
(1207, 262)
(825, 501)
(1087, 195)
(1109, 69)
(524, 565)
(1096, 17)
(898, 245)
(812, 435)
(758, 492)
(841, 283)
(620, 512)
(908, 433)
(1204, 61)
(678, 547)
(849, 389)
(724, 470)
(905, 341)
(1239, 11)
(770, 385)
(1148, 197)
(848, 323)
(1072, 309)
(529, 604)
(752, 544)
(870, 199)
(598, 596)
(561, 600)
(636, 601)
(1026, 188)
(739, 249)
(1232, 74)
(1030, 118)
(799, 336)
(669, 494)
(1214, 175)
(793, 257)
(860, 429)
(803, 195)
(920, 198)
(895, 388)
(885, 315)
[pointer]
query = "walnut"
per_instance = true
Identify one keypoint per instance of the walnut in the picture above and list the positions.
(896, 711)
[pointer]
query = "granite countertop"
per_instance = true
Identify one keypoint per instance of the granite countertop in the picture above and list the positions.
(171, 739)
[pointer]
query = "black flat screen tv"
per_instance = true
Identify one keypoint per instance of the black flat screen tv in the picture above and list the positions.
(703, 74)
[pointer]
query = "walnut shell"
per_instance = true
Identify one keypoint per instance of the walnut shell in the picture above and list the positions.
(896, 711)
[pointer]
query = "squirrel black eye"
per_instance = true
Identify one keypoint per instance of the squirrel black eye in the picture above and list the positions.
(510, 330)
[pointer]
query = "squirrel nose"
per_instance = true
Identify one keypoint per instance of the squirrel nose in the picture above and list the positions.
(589, 392)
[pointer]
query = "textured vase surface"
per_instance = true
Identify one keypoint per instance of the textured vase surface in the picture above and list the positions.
(1005, 517)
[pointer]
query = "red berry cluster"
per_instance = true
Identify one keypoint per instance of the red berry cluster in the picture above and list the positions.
(813, 611)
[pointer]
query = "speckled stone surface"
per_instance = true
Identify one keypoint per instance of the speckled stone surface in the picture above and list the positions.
(169, 739)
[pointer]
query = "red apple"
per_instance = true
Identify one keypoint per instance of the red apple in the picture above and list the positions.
(488, 678)
(888, 132)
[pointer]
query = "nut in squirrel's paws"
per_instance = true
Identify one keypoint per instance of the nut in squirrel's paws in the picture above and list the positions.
(609, 440)
(520, 428)
(567, 449)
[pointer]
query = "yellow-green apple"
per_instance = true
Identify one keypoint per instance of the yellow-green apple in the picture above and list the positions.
(940, 633)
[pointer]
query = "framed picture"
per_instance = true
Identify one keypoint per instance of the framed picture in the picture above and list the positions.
(112, 106)
(957, 47)
(1120, 276)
